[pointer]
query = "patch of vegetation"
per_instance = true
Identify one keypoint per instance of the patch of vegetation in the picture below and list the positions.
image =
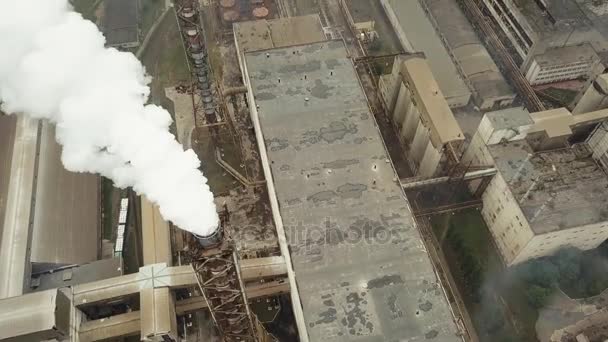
(164, 59)
(578, 273)
(150, 11)
(498, 306)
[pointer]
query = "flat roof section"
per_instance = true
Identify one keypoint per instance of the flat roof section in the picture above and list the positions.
(414, 23)
(361, 267)
(474, 60)
(568, 54)
(556, 189)
(66, 217)
(442, 124)
(265, 34)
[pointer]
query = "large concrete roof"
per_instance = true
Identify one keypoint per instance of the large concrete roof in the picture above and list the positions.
(334, 181)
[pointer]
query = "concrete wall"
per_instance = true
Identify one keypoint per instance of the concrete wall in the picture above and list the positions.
(505, 220)
(583, 237)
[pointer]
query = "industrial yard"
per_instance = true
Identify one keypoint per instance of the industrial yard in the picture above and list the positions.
(378, 170)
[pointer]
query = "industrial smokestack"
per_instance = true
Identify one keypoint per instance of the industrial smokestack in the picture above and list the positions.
(54, 66)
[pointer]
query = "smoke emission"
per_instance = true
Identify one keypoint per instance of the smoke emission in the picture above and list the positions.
(54, 66)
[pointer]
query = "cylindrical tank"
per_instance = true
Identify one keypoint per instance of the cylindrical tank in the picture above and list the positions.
(260, 12)
(211, 240)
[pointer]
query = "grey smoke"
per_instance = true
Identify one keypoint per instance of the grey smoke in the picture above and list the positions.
(54, 66)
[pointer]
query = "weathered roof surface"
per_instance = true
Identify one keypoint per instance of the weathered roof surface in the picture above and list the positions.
(474, 60)
(556, 189)
(66, 217)
(567, 54)
(361, 267)
(422, 36)
(121, 21)
(265, 34)
(435, 110)
(509, 118)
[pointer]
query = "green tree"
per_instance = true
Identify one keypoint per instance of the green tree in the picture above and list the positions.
(537, 296)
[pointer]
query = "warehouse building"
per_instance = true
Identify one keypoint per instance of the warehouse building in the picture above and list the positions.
(417, 34)
(549, 191)
(50, 216)
(554, 39)
(489, 87)
(426, 125)
(324, 158)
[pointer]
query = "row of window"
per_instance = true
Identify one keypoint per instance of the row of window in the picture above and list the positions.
(574, 64)
(583, 68)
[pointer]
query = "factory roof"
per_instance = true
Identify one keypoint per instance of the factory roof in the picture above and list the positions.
(442, 124)
(474, 60)
(66, 215)
(557, 189)
(265, 34)
(569, 54)
(509, 118)
(415, 25)
(121, 21)
(361, 266)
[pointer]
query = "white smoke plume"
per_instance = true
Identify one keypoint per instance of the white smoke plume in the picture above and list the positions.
(53, 65)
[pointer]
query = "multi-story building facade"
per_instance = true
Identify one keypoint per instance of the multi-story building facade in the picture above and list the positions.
(549, 192)
(554, 40)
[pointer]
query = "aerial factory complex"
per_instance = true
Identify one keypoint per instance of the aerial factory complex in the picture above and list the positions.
(381, 170)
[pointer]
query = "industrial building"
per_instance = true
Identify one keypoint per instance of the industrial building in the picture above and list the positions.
(425, 124)
(305, 191)
(50, 216)
(121, 23)
(330, 180)
(554, 39)
(549, 191)
(487, 84)
(333, 192)
(417, 34)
